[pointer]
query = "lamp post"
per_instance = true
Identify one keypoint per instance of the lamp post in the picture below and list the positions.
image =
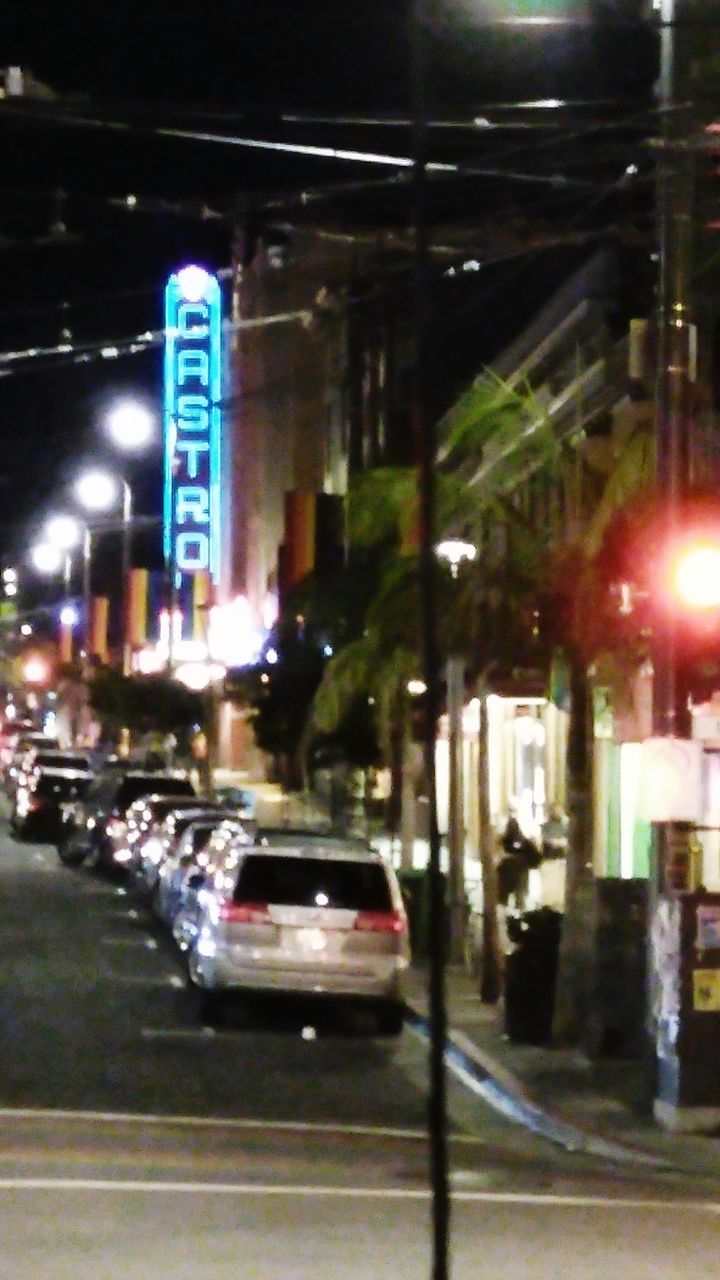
(131, 426)
(454, 551)
(97, 491)
(62, 533)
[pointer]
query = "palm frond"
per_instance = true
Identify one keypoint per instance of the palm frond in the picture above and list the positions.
(377, 502)
(632, 473)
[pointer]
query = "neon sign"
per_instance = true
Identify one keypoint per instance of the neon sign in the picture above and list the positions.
(193, 385)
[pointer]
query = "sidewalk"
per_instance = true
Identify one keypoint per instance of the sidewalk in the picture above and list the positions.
(596, 1105)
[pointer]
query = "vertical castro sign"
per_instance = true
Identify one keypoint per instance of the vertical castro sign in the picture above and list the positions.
(193, 387)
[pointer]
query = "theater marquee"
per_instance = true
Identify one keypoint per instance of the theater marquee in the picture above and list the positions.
(193, 387)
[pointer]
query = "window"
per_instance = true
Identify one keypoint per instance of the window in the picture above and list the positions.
(301, 881)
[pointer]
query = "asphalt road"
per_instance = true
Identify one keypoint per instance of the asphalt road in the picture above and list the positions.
(134, 1142)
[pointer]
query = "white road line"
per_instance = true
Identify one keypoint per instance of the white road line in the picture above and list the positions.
(540, 1199)
(124, 913)
(215, 1122)
(179, 1033)
(149, 944)
(136, 980)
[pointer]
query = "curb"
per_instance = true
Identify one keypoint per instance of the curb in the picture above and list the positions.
(505, 1093)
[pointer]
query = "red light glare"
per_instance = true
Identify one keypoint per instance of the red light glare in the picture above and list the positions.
(696, 577)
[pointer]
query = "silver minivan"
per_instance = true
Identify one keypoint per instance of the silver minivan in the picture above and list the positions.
(321, 916)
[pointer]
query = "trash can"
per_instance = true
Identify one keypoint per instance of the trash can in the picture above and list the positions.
(530, 973)
(414, 891)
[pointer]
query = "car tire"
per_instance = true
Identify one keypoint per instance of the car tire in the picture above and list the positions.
(390, 1017)
(71, 852)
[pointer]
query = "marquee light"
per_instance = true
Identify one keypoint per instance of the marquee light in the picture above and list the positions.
(193, 388)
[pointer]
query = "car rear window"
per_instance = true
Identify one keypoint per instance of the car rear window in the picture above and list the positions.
(49, 784)
(133, 788)
(183, 820)
(55, 761)
(201, 835)
(161, 808)
(312, 882)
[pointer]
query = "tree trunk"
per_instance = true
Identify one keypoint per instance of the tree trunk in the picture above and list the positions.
(573, 994)
(490, 958)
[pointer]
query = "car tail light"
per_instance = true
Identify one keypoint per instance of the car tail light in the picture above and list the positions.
(380, 922)
(243, 912)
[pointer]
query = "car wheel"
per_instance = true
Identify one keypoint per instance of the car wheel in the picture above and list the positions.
(390, 1018)
(71, 851)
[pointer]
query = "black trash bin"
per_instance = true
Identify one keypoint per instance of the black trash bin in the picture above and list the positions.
(414, 888)
(530, 973)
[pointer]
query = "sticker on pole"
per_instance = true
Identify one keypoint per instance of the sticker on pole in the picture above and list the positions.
(671, 780)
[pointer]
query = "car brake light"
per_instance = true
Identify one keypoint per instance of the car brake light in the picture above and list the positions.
(243, 912)
(380, 922)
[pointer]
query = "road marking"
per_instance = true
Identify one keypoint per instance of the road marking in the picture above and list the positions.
(530, 1198)
(181, 1033)
(136, 980)
(124, 913)
(221, 1122)
(148, 943)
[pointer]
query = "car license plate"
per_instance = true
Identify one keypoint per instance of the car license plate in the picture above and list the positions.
(312, 939)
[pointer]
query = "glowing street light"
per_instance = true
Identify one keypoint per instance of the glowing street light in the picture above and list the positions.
(97, 491)
(36, 671)
(130, 425)
(69, 616)
(63, 532)
(455, 551)
(46, 557)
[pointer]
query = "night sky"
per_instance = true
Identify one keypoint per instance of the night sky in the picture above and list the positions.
(79, 267)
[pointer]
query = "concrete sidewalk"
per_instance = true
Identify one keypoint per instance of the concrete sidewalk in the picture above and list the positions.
(602, 1106)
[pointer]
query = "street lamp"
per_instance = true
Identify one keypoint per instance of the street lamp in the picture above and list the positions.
(456, 551)
(97, 491)
(62, 533)
(130, 425)
(46, 558)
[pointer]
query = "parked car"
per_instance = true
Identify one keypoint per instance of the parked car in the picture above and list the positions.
(162, 841)
(322, 917)
(201, 845)
(152, 823)
(50, 757)
(94, 829)
(10, 731)
(23, 743)
(39, 800)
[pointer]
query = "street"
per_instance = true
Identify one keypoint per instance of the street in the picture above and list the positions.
(135, 1142)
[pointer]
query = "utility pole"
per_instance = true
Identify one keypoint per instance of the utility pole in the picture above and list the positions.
(420, 20)
(683, 955)
(455, 668)
(676, 333)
